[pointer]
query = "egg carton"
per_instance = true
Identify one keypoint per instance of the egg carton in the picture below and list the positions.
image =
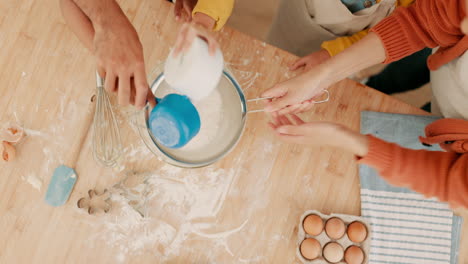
(323, 238)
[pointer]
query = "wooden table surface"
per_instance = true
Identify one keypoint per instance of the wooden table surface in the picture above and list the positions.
(243, 209)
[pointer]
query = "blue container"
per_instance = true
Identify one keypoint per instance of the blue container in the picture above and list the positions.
(174, 121)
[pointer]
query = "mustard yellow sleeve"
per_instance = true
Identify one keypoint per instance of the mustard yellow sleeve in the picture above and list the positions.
(404, 3)
(339, 44)
(219, 10)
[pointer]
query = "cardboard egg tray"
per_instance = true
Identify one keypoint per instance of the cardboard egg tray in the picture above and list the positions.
(323, 238)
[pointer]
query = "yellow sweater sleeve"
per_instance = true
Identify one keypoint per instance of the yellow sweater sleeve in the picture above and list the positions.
(339, 44)
(219, 10)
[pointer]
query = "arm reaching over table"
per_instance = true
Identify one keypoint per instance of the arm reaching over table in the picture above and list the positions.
(105, 30)
(433, 173)
(426, 23)
(296, 94)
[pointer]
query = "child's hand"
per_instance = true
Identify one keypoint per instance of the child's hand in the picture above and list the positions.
(294, 130)
(183, 9)
(296, 95)
(311, 60)
(188, 33)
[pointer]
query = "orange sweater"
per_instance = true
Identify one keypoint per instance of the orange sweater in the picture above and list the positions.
(433, 173)
(426, 23)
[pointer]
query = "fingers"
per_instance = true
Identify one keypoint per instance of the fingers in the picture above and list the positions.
(290, 109)
(132, 92)
(212, 46)
(308, 66)
(124, 91)
(305, 106)
(178, 9)
(207, 36)
(297, 120)
(180, 39)
(101, 72)
(284, 121)
(279, 120)
(150, 98)
(299, 63)
(280, 103)
(189, 38)
(276, 91)
(141, 86)
(110, 82)
(188, 11)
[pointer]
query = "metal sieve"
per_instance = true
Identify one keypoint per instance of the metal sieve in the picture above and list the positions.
(229, 129)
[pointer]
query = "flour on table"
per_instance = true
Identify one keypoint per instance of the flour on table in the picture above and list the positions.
(173, 204)
(34, 181)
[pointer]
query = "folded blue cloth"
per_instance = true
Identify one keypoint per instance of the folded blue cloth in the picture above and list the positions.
(406, 226)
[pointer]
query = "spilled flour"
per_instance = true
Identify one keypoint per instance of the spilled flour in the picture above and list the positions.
(34, 181)
(174, 205)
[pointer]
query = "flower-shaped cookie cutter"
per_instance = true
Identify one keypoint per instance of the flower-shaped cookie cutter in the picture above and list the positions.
(95, 202)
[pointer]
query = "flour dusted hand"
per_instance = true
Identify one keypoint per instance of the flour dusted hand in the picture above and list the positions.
(188, 33)
(194, 72)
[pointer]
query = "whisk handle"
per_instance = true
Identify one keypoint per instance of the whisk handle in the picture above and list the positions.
(75, 148)
(99, 80)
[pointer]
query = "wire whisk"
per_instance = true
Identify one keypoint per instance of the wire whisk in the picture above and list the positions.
(107, 144)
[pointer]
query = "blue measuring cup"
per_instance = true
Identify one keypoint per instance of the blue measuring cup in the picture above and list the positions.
(174, 121)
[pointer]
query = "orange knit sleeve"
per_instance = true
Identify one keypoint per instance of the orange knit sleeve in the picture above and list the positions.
(433, 173)
(426, 23)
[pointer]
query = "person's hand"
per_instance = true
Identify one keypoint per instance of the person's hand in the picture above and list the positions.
(120, 61)
(292, 129)
(298, 94)
(183, 9)
(188, 32)
(311, 60)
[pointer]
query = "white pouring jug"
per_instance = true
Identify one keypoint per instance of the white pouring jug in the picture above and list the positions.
(194, 73)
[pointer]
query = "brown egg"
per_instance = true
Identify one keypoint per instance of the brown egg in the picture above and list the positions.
(313, 225)
(357, 232)
(335, 228)
(354, 255)
(333, 252)
(310, 248)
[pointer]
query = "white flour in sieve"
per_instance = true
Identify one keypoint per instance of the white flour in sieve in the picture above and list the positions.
(211, 112)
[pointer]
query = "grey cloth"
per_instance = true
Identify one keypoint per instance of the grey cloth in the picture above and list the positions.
(404, 130)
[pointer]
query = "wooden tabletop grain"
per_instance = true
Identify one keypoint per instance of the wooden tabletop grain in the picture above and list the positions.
(247, 212)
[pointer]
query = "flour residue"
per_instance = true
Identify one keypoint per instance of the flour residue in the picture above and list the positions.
(246, 79)
(174, 206)
(34, 181)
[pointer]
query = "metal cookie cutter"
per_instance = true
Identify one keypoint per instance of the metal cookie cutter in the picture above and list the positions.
(95, 202)
(266, 98)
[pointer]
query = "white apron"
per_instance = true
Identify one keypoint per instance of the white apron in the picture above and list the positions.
(450, 89)
(301, 26)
